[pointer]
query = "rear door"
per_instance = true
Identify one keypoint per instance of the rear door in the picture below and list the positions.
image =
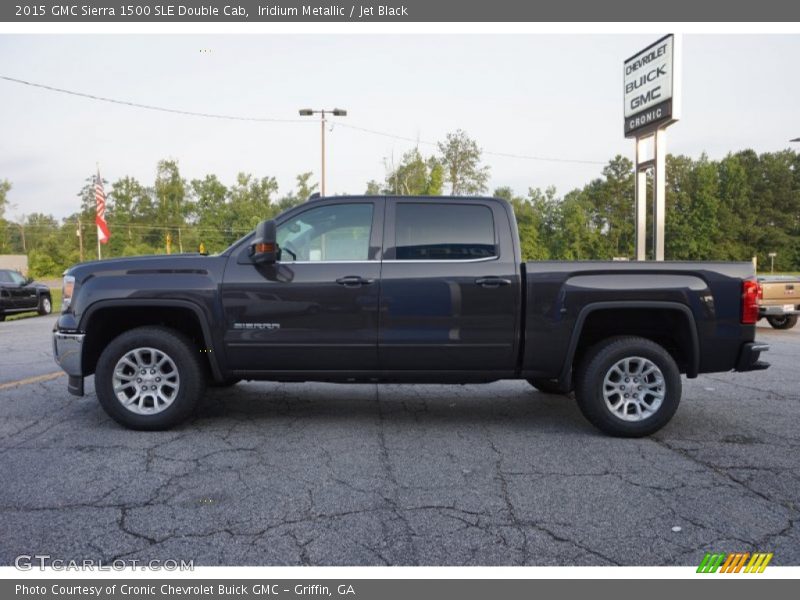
(317, 308)
(450, 287)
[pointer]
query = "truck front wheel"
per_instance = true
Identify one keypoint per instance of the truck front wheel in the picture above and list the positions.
(628, 386)
(783, 322)
(149, 378)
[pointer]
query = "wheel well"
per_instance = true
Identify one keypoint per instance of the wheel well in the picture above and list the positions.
(669, 328)
(107, 323)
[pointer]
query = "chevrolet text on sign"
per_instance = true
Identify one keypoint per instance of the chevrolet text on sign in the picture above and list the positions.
(650, 79)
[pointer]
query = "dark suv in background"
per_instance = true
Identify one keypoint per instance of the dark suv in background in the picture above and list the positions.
(22, 294)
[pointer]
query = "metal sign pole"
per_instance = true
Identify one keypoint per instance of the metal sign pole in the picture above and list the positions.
(641, 200)
(659, 192)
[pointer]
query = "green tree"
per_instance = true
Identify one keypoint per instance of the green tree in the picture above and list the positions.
(460, 158)
(172, 206)
(415, 176)
(212, 213)
(302, 192)
(5, 238)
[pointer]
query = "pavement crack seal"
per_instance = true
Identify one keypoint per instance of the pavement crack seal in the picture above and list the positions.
(392, 477)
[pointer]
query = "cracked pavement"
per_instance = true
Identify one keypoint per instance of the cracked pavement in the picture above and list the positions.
(324, 474)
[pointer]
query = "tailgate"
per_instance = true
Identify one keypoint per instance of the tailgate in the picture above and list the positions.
(780, 291)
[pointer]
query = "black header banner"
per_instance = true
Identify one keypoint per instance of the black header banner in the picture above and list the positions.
(401, 11)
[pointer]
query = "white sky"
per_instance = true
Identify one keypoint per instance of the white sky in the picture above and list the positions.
(546, 95)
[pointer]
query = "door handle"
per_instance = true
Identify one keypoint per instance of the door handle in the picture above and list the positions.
(353, 281)
(492, 282)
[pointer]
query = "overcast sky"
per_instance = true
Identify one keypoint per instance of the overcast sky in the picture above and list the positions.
(556, 96)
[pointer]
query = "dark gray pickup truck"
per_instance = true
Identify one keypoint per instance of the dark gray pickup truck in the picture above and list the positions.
(402, 289)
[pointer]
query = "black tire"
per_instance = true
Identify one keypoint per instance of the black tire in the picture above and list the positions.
(2, 317)
(548, 386)
(45, 304)
(589, 387)
(186, 360)
(783, 322)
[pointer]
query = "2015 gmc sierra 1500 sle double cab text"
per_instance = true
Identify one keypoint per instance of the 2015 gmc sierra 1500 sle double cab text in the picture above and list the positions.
(402, 289)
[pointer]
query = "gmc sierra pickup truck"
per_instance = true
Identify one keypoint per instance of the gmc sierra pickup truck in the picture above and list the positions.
(402, 289)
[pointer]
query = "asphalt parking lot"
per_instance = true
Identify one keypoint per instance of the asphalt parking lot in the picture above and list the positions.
(286, 474)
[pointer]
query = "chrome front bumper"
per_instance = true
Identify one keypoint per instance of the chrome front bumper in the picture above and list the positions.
(67, 350)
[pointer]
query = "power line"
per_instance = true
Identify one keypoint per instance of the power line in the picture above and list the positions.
(275, 120)
(487, 152)
(148, 106)
(68, 222)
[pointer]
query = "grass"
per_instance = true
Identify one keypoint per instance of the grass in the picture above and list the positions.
(55, 296)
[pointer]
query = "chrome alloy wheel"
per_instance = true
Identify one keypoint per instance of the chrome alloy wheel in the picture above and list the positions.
(47, 306)
(146, 381)
(634, 388)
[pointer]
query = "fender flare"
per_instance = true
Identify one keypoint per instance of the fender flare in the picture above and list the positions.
(216, 371)
(694, 360)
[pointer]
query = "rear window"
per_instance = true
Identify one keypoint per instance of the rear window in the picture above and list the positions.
(428, 231)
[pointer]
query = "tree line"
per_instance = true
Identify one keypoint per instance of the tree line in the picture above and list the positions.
(744, 205)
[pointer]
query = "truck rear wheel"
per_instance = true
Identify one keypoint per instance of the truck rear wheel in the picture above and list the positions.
(628, 386)
(783, 321)
(149, 378)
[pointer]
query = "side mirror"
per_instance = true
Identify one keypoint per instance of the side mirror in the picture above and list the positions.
(264, 249)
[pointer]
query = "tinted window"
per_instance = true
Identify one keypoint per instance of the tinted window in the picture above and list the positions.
(5, 277)
(443, 231)
(335, 232)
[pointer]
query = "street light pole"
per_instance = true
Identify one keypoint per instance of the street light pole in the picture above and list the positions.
(337, 112)
(322, 128)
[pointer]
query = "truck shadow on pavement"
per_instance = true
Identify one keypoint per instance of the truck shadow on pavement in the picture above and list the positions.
(461, 405)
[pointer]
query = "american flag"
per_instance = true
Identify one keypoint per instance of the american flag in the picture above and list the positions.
(100, 218)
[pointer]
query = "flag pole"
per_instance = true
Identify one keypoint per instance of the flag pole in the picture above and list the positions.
(99, 255)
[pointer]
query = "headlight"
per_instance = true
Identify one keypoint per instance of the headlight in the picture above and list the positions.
(66, 291)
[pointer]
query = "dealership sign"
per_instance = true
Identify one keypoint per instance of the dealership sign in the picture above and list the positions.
(651, 87)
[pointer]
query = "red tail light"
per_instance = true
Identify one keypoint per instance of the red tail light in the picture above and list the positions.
(750, 293)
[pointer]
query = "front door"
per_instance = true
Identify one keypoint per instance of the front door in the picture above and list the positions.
(26, 296)
(316, 309)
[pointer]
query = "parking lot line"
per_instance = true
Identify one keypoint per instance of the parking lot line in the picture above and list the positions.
(26, 381)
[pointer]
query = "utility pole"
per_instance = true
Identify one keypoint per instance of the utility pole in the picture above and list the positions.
(80, 238)
(337, 112)
(22, 235)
